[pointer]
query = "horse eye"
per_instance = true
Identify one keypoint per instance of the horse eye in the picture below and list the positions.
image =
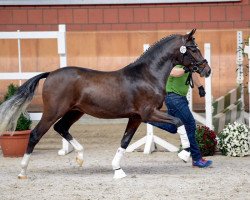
(194, 49)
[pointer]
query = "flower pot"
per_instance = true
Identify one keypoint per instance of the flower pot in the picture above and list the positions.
(14, 145)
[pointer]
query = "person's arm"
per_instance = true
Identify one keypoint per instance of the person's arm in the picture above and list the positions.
(198, 84)
(196, 80)
(177, 72)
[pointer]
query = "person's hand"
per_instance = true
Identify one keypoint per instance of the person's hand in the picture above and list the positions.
(202, 92)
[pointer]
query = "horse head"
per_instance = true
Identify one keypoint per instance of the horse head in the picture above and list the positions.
(191, 57)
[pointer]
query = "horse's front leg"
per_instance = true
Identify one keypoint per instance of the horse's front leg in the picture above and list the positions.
(159, 116)
(131, 128)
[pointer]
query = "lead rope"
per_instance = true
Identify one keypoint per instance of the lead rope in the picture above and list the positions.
(189, 80)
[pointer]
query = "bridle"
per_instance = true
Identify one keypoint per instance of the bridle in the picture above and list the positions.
(195, 65)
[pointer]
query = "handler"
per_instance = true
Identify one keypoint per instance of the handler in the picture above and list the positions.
(177, 105)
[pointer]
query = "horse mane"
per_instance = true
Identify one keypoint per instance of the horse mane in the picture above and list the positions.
(148, 56)
(150, 52)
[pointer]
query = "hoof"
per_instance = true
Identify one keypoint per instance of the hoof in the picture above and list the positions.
(184, 155)
(119, 173)
(79, 161)
(20, 176)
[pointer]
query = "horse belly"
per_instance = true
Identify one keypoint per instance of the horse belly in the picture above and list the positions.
(107, 108)
(105, 113)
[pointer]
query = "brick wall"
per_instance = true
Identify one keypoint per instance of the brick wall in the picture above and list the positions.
(127, 17)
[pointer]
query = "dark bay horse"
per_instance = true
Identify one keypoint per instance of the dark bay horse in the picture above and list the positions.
(136, 92)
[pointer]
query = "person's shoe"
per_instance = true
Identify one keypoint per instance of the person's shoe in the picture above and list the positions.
(184, 155)
(202, 163)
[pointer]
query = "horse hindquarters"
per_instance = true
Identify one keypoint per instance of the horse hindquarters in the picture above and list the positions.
(53, 111)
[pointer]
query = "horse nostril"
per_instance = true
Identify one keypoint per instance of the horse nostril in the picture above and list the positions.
(208, 72)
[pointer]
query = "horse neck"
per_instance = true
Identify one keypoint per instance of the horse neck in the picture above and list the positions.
(161, 71)
(161, 66)
(154, 73)
(157, 63)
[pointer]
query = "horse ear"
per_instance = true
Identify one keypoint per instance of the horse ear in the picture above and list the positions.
(189, 36)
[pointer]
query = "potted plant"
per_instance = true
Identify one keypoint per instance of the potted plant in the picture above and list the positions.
(206, 139)
(14, 144)
(234, 140)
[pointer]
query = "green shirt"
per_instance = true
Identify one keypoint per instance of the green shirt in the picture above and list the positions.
(177, 84)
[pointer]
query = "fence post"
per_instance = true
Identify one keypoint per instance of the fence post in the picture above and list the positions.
(61, 44)
(240, 77)
(62, 51)
(208, 88)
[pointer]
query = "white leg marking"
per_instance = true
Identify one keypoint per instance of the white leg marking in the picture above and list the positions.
(118, 172)
(79, 148)
(66, 148)
(24, 165)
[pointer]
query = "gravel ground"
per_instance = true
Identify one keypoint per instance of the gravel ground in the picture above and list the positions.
(160, 175)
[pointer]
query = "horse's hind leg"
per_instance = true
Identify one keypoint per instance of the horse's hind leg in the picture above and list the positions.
(132, 126)
(36, 134)
(63, 126)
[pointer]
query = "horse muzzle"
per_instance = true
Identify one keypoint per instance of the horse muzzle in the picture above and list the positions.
(205, 71)
(203, 68)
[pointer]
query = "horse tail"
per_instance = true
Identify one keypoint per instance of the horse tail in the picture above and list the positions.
(11, 109)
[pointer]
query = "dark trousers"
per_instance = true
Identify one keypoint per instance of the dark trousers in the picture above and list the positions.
(178, 107)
